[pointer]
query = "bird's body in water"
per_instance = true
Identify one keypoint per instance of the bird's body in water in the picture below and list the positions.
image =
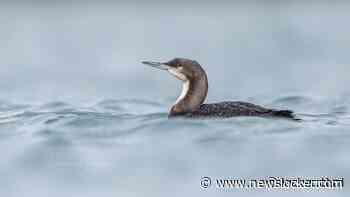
(194, 92)
(229, 109)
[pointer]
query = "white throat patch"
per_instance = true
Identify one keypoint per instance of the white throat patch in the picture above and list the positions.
(185, 88)
(177, 74)
(185, 85)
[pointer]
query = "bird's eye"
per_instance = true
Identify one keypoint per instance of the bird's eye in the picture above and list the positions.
(178, 65)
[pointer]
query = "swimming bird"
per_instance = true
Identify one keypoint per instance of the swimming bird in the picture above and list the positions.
(194, 93)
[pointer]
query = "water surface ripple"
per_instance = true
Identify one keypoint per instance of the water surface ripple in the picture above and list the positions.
(112, 143)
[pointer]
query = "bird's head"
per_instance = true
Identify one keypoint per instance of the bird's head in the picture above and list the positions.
(195, 83)
(181, 68)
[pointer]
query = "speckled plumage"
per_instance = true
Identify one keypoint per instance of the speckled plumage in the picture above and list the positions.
(235, 108)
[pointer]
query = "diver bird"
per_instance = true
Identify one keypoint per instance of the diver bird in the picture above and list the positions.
(194, 91)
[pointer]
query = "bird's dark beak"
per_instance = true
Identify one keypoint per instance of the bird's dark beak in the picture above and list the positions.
(159, 65)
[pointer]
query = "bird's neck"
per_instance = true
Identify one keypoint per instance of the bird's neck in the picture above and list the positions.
(194, 92)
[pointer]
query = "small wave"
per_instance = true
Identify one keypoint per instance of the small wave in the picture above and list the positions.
(293, 100)
(105, 119)
(131, 106)
(8, 106)
(57, 106)
(114, 119)
(339, 110)
(109, 102)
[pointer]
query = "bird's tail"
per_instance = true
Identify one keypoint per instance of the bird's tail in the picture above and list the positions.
(284, 114)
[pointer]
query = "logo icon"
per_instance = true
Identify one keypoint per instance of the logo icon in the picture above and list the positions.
(205, 182)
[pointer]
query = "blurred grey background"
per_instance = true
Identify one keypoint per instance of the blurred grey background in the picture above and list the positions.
(279, 53)
(84, 51)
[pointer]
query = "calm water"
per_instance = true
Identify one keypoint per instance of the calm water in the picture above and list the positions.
(130, 147)
(80, 116)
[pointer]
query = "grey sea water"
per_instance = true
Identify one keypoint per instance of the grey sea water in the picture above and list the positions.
(80, 116)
